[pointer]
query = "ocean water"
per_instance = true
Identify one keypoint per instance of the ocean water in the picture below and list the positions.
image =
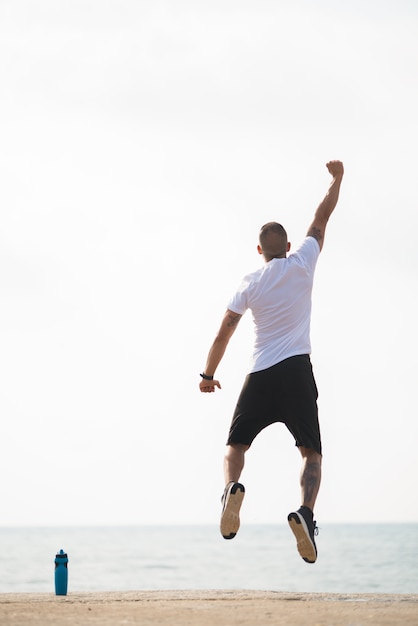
(354, 558)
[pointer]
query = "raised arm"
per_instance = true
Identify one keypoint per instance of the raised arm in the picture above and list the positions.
(328, 204)
(217, 350)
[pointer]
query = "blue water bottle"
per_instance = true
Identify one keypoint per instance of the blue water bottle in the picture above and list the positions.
(61, 573)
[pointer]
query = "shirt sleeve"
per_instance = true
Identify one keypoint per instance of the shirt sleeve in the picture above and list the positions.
(308, 253)
(239, 301)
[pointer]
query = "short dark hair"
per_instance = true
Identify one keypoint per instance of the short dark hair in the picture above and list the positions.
(273, 240)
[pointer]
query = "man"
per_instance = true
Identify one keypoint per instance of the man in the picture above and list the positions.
(280, 386)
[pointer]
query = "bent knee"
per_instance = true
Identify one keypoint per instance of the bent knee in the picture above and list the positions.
(233, 448)
(310, 454)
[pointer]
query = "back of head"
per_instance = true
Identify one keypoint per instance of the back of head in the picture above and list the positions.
(273, 241)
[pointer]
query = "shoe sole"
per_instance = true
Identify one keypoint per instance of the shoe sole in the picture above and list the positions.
(230, 521)
(305, 546)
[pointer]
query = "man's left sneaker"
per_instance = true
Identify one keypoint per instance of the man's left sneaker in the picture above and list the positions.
(304, 528)
(231, 501)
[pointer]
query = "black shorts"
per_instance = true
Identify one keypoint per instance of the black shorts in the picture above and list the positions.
(285, 393)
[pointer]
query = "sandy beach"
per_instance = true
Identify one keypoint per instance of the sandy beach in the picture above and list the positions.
(207, 608)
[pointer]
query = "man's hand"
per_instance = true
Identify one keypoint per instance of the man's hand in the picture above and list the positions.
(335, 168)
(328, 204)
(208, 386)
(216, 352)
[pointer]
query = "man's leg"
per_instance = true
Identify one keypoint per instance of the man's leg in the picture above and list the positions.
(234, 491)
(310, 476)
(234, 462)
(301, 521)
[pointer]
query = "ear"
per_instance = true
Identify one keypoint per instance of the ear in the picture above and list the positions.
(259, 250)
(288, 245)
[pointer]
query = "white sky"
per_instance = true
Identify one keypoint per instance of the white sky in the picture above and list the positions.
(143, 144)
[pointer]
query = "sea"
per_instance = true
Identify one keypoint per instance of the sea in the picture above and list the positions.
(352, 558)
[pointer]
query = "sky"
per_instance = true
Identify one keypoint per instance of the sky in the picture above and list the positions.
(143, 144)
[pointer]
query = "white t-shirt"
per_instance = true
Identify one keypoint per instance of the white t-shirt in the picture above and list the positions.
(279, 296)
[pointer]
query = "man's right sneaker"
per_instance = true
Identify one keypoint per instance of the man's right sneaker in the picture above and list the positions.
(231, 501)
(304, 528)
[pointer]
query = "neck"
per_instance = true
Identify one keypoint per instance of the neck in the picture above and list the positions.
(276, 256)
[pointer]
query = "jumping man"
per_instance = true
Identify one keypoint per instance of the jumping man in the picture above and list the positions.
(280, 386)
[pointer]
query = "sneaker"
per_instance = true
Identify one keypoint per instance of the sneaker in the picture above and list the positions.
(231, 500)
(304, 528)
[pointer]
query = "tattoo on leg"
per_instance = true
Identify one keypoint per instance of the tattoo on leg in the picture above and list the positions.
(310, 481)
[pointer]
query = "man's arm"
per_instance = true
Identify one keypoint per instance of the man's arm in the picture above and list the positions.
(228, 326)
(328, 204)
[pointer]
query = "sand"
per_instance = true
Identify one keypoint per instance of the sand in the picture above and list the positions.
(207, 608)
